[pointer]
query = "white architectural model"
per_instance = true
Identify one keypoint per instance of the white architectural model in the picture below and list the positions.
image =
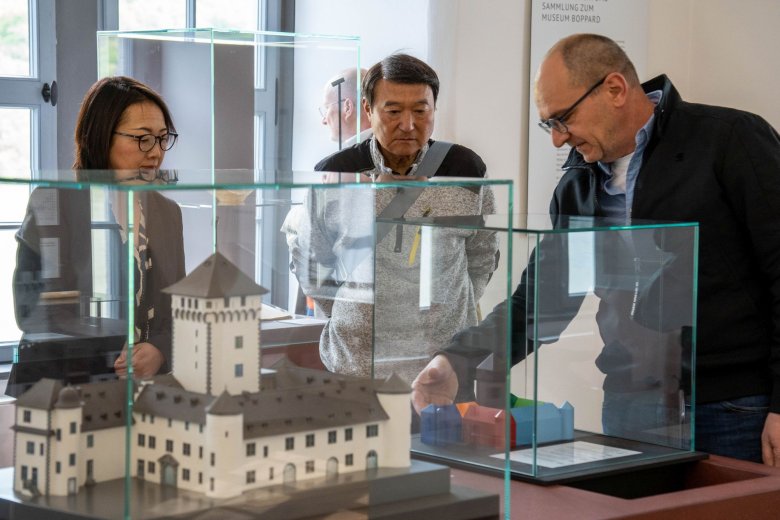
(221, 426)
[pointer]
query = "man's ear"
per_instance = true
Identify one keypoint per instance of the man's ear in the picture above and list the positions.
(366, 106)
(617, 86)
(349, 108)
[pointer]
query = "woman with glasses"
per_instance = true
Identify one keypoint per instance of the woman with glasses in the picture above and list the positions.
(122, 133)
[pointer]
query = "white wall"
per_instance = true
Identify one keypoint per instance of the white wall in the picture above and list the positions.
(721, 52)
(383, 26)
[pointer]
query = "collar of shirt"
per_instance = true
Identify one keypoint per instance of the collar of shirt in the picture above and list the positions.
(379, 160)
(617, 187)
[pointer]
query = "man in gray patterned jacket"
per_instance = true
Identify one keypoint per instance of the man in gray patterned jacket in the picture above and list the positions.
(422, 285)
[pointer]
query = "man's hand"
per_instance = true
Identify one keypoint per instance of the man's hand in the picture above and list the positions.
(437, 383)
(147, 360)
(770, 440)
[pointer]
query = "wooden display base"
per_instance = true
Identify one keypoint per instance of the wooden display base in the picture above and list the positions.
(712, 489)
(420, 492)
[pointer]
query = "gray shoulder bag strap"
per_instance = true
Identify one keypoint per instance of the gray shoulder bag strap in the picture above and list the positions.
(407, 196)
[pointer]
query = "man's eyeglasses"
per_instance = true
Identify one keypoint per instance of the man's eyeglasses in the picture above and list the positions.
(164, 176)
(147, 141)
(324, 108)
(559, 123)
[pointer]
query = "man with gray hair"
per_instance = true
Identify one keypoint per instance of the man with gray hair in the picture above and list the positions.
(378, 320)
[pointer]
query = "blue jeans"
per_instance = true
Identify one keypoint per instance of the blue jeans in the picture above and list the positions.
(732, 428)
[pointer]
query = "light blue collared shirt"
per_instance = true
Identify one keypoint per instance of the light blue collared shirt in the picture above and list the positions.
(614, 201)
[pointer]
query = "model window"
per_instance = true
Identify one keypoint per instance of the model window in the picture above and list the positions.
(170, 422)
(213, 458)
(90, 441)
(289, 443)
(150, 467)
(200, 452)
(30, 448)
(309, 440)
(73, 427)
(348, 434)
(265, 451)
(271, 473)
(227, 302)
(141, 440)
(372, 430)
(239, 341)
(185, 448)
(250, 477)
(332, 437)
(57, 467)
(200, 478)
(59, 434)
(152, 441)
(250, 449)
(187, 426)
(239, 370)
(309, 466)
(151, 419)
(169, 445)
(348, 459)
(72, 459)
(185, 474)
(27, 416)
(41, 449)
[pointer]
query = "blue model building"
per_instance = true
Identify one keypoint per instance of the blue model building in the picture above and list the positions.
(440, 425)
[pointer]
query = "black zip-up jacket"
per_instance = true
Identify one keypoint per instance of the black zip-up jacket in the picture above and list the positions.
(719, 167)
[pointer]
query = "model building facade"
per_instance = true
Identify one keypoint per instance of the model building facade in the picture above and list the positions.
(222, 425)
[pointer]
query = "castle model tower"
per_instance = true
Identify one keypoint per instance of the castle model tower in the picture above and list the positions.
(216, 333)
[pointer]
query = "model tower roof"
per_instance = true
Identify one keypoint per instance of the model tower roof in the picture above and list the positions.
(216, 277)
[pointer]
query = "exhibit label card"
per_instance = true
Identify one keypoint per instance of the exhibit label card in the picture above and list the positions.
(567, 454)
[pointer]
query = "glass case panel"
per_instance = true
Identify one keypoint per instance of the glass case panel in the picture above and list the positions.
(220, 398)
(591, 359)
(259, 92)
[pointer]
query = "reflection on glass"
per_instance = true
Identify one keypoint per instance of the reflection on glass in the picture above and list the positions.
(8, 329)
(152, 14)
(14, 38)
(242, 15)
(14, 141)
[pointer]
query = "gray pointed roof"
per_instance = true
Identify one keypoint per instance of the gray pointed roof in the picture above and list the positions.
(224, 405)
(393, 385)
(216, 277)
(42, 395)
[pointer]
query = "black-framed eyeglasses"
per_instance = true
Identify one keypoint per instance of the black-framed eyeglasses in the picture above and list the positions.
(559, 123)
(164, 176)
(324, 108)
(147, 141)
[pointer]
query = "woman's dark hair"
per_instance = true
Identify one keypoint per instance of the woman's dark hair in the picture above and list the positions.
(100, 113)
(400, 68)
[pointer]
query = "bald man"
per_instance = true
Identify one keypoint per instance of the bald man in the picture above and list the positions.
(350, 108)
(640, 151)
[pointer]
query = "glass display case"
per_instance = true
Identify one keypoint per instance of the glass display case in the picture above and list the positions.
(587, 370)
(259, 92)
(164, 364)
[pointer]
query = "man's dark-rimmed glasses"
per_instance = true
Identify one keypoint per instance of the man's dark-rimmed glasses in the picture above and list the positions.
(147, 141)
(559, 123)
